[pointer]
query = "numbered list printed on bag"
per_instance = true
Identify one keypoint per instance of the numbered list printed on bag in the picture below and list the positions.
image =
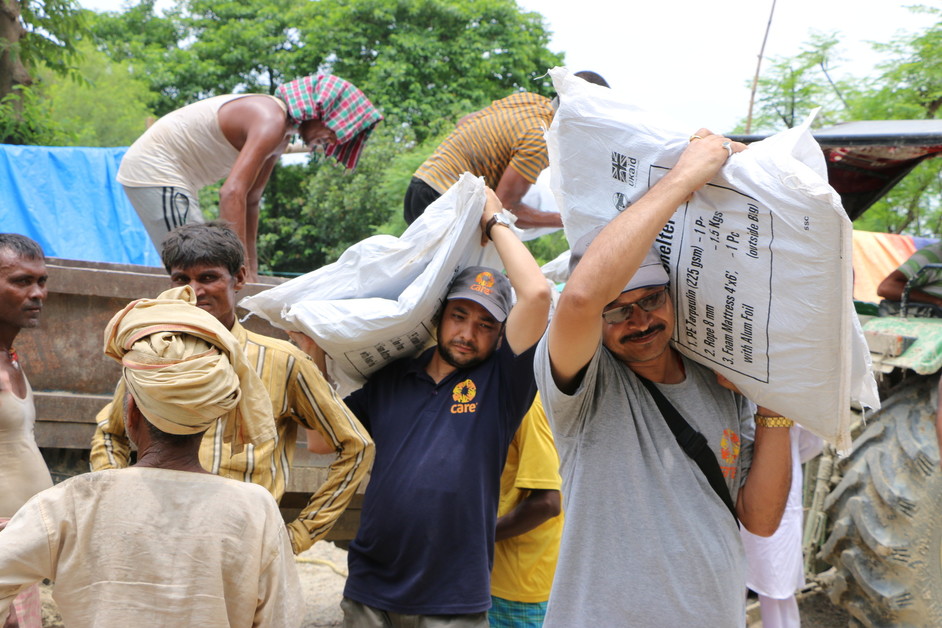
(720, 250)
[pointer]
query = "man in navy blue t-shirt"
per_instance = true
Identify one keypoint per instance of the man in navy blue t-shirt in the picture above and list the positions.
(442, 423)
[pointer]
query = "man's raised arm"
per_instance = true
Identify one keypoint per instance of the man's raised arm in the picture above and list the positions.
(527, 319)
(617, 252)
(510, 190)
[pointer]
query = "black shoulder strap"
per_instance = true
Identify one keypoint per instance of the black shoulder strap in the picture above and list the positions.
(694, 445)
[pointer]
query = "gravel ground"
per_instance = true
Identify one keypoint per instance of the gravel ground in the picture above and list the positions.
(814, 607)
(323, 571)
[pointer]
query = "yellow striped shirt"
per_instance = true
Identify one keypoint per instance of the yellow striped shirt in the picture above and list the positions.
(299, 396)
(507, 134)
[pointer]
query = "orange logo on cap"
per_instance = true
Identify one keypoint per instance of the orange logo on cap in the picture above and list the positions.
(483, 282)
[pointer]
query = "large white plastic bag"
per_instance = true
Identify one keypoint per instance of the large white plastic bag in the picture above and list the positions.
(759, 259)
(376, 303)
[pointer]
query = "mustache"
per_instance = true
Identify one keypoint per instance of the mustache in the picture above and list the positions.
(644, 332)
(466, 345)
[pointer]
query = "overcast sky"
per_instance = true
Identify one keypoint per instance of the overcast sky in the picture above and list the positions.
(692, 59)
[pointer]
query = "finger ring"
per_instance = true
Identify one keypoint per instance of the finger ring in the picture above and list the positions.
(694, 137)
(729, 149)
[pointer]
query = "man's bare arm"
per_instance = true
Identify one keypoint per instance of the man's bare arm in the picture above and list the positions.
(762, 498)
(892, 287)
(527, 320)
(510, 190)
(538, 506)
(258, 128)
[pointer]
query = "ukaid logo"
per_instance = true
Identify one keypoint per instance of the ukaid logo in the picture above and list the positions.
(463, 394)
(624, 168)
(483, 282)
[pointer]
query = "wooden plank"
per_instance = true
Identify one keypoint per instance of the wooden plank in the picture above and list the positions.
(64, 435)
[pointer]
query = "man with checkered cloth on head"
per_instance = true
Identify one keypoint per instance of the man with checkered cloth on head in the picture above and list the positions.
(164, 543)
(239, 137)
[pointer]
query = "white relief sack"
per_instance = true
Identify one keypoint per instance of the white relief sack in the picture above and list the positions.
(378, 301)
(759, 259)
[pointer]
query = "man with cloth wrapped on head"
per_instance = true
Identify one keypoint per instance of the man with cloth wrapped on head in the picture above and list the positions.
(164, 542)
(209, 258)
(239, 137)
(651, 535)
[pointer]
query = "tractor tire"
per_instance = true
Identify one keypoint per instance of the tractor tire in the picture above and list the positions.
(885, 542)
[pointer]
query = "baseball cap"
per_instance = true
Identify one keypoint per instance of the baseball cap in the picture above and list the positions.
(486, 287)
(650, 273)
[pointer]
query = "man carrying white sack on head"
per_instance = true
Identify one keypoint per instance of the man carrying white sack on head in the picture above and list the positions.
(651, 535)
(164, 542)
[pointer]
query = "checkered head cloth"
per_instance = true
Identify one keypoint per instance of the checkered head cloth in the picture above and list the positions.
(343, 108)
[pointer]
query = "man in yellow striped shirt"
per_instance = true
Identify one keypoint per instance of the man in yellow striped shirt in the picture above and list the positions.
(504, 144)
(210, 258)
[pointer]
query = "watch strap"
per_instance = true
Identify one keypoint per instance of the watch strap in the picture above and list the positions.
(493, 220)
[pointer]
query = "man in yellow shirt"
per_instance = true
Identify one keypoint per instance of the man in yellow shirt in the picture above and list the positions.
(504, 144)
(529, 526)
(210, 258)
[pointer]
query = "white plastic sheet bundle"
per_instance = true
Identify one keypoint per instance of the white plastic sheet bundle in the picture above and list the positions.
(759, 259)
(377, 303)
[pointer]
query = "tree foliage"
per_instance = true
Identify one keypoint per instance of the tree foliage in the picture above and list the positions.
(52, 28)
(416, 59)
(422, 59)
(105, 107)
(423, 63)
(793, 86)
(907, 85)
(33, 32)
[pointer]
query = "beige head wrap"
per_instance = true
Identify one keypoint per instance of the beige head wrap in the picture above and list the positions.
(185, 370)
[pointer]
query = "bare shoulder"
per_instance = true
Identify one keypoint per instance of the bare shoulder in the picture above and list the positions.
(256, 119)
(256, 106)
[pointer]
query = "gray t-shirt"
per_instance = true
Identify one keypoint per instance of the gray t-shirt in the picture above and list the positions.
(647, 542)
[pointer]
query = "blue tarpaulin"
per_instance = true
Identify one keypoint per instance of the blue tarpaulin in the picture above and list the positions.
(67, 199)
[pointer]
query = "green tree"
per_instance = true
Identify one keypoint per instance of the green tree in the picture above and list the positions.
(418, 60)
(907, 86)
(105, 107)
(301, 232)
(793, 86)
(423, 63)
(33, 31)
(422, 60)
(151, 46)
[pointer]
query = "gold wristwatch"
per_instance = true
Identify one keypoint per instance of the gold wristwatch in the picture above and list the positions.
(773, 421)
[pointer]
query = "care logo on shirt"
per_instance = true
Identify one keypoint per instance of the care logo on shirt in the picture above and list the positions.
(729, 452)
(463, 394)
